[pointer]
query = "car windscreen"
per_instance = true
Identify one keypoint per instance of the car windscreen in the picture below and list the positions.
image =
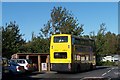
(29, 61)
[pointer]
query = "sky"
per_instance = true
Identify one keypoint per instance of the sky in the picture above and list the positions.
(31, 16)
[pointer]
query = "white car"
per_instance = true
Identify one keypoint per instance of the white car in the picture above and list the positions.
(28, 65)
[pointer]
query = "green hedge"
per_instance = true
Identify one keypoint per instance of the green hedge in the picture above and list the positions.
(107, 63)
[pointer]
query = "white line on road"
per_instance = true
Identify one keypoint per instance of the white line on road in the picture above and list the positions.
(95, 78)
(117, 73)
(113, 68)
(104, 74)
(109, 71)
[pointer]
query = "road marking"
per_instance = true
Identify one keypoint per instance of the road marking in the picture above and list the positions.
(113, 68)
(94, 78)
(117, 73)
(104, 74)
(109, 71)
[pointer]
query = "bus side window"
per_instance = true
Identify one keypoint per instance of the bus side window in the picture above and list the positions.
(78, 57)
(75, 57)
(87, 57)
(82, 58)
(73, 41)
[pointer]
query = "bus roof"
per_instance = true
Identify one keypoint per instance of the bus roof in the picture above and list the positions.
(73, 36)
(82, 38)
(61, 34)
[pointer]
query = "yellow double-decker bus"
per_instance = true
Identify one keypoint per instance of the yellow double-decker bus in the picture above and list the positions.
(71, 53)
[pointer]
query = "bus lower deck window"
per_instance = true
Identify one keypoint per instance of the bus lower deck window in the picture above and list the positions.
(59, 55)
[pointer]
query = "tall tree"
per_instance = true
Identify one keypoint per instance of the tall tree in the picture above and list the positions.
(118, 44)
(62, 21)
(11, 39)
(100, 39)
(0, 41)
(37, 45)
(110, 45)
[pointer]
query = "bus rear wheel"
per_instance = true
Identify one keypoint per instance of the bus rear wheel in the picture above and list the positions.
(91, 66)
(78, 68)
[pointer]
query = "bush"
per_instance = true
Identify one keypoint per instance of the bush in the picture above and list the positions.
(107, 63)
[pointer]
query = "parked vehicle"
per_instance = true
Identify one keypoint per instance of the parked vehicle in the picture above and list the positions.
(5, 66)
(28, 65)
(15, 68)
(11, 67)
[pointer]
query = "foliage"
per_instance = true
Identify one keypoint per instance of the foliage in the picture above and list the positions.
(107, 63)
(118, 44)
(37, 45)
(62, 21)
(1, 40)
(110, 46)
(11, 39)
(100, 39)
(106, 43)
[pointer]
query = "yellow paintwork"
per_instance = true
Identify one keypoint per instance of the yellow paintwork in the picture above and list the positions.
(60, 47)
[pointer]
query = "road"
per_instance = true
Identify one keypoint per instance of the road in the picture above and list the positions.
(108, 73)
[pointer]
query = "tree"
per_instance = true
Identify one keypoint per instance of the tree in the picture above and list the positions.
(62, 21)
(0, 40)
(37, 45)
(99, 42)
(11, 39)
(110, 45)
(118, 44)
(100, 39)
(106, 43)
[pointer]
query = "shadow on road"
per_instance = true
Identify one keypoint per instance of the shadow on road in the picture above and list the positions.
(97, 68)
(25, 76)
(101, 67)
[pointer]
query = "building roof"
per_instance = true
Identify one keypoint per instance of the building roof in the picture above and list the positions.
(33, 53)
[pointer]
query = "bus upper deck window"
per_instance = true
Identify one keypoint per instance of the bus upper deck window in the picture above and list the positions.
(59, 39)
(73, 40)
